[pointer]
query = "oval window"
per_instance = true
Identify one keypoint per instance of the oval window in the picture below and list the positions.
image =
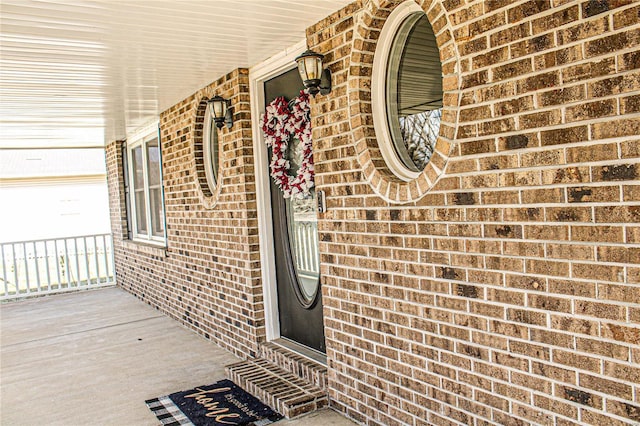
(408, 79)
(302, 227)
(210, 149)
(302, 223)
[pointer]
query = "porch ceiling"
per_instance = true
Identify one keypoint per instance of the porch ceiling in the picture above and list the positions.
(83, 73)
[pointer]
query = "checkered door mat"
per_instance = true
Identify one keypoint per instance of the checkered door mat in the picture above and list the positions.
(167, 412)
(220, 404)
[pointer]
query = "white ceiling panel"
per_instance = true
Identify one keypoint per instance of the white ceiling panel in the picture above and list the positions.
(83, 73)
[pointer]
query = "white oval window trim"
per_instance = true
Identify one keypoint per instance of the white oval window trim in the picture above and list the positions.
(378, 89)
(207, 139)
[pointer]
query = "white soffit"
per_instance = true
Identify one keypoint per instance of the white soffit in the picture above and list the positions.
(84, 73)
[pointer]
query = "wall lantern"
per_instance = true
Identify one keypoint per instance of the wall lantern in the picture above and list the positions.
(221, 112)
(314, 77)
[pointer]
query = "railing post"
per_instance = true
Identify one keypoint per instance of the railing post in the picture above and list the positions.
(86, 260)
(35, 259)
(75, 246)
(26, 265)
(15, 266)
(57, 263)
(95, 252)
(66, 263)
(112, 257)
(4, 272)
(46, 260)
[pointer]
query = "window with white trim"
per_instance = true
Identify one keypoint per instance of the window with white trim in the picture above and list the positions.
(210, 149)
(407, 91)
(146, 192)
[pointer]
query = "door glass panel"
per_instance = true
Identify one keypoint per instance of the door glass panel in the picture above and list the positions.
(303, 240)
(302, 224)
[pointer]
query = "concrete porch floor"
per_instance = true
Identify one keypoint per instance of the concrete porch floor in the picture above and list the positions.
(94, 357)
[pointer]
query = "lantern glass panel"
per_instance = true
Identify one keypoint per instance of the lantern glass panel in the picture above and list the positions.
(219, 108)
(313, 70)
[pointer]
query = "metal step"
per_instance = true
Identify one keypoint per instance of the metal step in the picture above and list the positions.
(283, 391)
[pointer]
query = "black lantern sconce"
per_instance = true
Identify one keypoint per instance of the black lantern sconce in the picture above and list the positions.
(314, 76)
(221, 112)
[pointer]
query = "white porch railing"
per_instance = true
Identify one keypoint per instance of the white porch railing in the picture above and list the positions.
(305, 247)
(37, 267)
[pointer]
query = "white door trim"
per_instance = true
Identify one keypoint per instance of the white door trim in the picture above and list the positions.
(258, 74)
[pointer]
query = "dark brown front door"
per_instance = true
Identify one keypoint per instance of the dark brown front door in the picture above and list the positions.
(295, 235)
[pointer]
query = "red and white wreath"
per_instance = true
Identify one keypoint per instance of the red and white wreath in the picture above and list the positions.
(280, 124)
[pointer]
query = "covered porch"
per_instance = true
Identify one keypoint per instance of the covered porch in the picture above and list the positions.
(94, 357)
(485, 273)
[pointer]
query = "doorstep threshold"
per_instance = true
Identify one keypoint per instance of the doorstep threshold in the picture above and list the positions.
(311, 354)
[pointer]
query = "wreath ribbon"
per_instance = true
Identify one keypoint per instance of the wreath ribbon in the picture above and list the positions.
(280, 124)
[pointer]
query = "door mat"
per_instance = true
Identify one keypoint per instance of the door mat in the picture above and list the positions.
(221, 404)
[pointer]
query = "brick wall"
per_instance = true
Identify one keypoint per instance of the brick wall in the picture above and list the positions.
(506, 289)
(208, 276)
